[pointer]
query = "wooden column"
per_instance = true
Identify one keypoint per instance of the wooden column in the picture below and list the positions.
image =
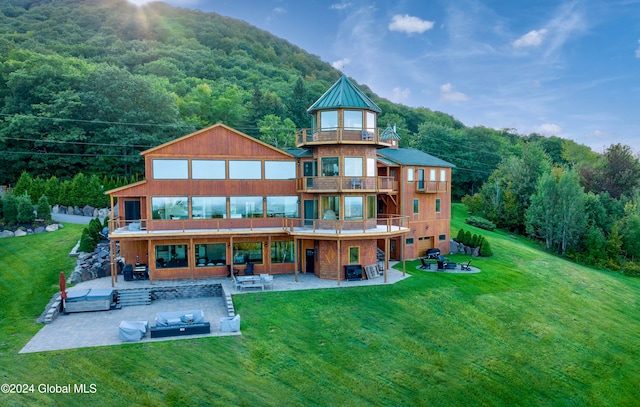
(386, 257)
(296, 260)
(191, 261)
(339, 256)
(269, 254)
(149, 257)
(402, 248)
(112, 257)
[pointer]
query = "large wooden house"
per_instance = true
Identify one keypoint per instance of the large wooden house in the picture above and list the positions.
(218, 201)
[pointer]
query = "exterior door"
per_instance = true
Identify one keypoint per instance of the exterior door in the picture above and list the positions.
(310, 259)
(132, 210)
(310, 169)
(310, 211)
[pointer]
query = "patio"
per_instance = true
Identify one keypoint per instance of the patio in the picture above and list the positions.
(87, 329)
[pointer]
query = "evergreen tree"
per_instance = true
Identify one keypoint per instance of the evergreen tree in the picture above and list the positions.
(44, 210)
(23, 185)
(25, 209)
(10, 206)
(460, 236)
(485, 249)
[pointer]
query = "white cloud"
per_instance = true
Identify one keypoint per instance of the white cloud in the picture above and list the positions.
(548, 129)
(531, 39)
(274, 13)
(399, 95)
(340, 6)
(449, 95)
(341, 63)
(409, 24)
(638, 50)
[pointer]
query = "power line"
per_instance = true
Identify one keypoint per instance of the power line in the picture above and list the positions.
(94, 121)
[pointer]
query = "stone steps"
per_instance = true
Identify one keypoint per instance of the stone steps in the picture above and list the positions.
(136, 296)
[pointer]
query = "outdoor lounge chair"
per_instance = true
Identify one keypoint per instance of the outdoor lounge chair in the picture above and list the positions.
(249, 270)
(425, 265)
(266, 280)
(466, 267)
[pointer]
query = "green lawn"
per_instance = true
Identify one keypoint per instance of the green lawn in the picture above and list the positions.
(530, 329)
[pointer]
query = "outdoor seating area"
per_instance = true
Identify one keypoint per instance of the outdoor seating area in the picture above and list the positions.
(180, 323)
(443, 264)
(261, 281)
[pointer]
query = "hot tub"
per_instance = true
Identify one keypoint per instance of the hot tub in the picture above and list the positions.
(94, 299)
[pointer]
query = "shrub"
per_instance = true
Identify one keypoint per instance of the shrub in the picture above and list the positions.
(44, 210)
(25, 209)
(94, 229)
(460, 236)
(482, 223)
(631, 268)
(467, 238)
(10, 206)
(485, 248)
(86, 242)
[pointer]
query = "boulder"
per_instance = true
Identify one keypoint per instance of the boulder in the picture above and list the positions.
(77, 211)
(52, 228)
(39, 229)
(19, 233)
(103, 213)
(55, 209)
(476, 252)
(6, 233)
(63, 209)
(88, 210)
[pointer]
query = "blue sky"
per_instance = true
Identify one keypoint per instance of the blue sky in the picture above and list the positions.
(565, 68)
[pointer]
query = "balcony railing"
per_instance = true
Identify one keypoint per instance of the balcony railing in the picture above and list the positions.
(347, 184)
(341, 135)
(431, 187)
(384, 224)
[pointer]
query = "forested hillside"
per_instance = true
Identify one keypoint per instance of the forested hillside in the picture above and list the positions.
(85, 85)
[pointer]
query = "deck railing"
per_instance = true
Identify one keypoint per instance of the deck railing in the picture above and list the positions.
(341, 135)
(341, 184)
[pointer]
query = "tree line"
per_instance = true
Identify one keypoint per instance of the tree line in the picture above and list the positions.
(588, 210)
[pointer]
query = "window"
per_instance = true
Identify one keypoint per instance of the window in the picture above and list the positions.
(354, 255)
(282, 206)
(420, 180)
(443, 175)
(250, 252)
(330, 167)
(282, 251)
(328, 120)
(410, 174)
(170, 169)
(279, 170)
(353, 166)
(416, 205)
(330, 207)
(353, 208)
(442, 237)
(245, 169)
(245, 206)
(208, 169)
(437, 205)
(371, 123)
(409, 240)
(209, 207)
(171, 256)
(371, 207)
(214, 254)
(432, 175)
(371, 167)
(175, 207)
(353, 120)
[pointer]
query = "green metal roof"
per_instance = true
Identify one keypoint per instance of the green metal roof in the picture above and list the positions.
(299, 152)
(344, 94)
(411, 156)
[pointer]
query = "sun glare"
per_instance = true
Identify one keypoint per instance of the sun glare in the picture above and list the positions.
(140, 2)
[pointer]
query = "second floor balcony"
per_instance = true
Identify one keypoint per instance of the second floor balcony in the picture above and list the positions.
(431, 187)
(347, 184)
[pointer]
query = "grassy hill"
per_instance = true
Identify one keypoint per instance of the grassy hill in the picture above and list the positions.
(530, 329)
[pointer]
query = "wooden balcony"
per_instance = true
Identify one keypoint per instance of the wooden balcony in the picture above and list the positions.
(388, 224)
(311, 137)
(347, 184)
(431, 187)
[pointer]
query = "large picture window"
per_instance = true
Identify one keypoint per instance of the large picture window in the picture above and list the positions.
(175, 207)
(328, 120)
(246, 206)
(250, 252)
(170, 169)
(209, 207)
(213, 254)
(371, 123)
(245, 169)
(171, 256)
(371, 167)
(279, 170)
(330, 167)
(208, 169)
(353, 209)
(330, 207)
(353, 166)
(353, 120)
(282, 206)
(282, 251)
